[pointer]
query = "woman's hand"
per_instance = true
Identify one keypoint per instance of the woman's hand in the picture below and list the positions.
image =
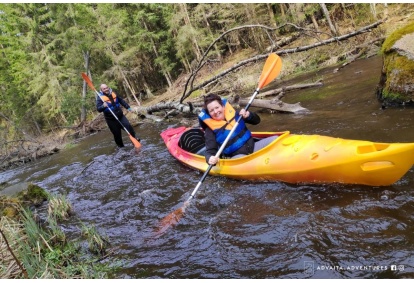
(213, 160)
(245, 114)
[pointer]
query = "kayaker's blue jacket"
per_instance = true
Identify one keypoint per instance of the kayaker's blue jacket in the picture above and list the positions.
(114, 102)
(217, 131)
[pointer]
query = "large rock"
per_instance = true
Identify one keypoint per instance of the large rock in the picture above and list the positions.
(396, 86)
(405, 46)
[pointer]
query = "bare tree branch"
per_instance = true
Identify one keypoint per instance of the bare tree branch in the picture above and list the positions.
(274, 104)
(289, 88)
(186, 93)
(201, 63)
(13, 255)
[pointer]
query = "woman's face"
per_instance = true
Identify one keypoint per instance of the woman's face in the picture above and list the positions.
(215, 110)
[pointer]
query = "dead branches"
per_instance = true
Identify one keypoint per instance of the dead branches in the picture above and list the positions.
(184, 108)
(282, 90)
(256, 58)
(276, 104)
(24, 152)
(195, 107)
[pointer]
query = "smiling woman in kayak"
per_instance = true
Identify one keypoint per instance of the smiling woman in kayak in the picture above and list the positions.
(217, 119)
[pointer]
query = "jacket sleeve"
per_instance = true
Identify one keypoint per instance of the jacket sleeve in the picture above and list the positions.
(123, 102)
(211, 144)
(253, 119)
(99, 104)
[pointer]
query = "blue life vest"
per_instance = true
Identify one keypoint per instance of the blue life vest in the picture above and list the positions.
(222, 128)
(108, 101)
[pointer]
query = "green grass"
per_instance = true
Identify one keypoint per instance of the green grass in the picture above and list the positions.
(43, 250)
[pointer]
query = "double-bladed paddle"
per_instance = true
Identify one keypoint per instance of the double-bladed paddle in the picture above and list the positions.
(90, 84)
(271, 70)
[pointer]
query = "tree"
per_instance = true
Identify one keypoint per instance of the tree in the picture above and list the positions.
(328, 19)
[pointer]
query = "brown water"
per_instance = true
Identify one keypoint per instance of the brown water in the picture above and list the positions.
(240, 229)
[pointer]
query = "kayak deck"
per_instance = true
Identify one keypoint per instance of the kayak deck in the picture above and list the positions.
(307, 159)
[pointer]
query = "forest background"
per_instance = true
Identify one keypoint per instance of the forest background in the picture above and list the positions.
(148, 50)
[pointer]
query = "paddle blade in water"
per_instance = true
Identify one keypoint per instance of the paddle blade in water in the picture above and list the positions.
(171, 219)
(136, 143)
(271, 70)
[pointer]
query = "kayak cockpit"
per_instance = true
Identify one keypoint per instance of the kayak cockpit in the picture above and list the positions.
(193, 140)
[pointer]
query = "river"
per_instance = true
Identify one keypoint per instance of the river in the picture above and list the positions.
(240, 229)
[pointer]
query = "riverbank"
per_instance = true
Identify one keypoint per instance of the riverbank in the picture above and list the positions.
(241, 82)
(33, 243)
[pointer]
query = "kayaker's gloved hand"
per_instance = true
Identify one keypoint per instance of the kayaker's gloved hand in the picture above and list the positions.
(213, 160)
(105, 104)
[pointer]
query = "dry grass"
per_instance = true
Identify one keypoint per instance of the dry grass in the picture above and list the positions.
(32, 248)
(9, 267)
(59, 208)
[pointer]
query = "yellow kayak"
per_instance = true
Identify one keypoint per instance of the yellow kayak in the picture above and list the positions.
(306, 159)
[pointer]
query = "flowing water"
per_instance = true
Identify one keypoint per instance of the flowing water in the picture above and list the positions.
(240, 229)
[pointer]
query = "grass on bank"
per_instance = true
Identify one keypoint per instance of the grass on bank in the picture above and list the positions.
(31, 248)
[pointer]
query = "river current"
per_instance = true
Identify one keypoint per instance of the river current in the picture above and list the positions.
(241, 229)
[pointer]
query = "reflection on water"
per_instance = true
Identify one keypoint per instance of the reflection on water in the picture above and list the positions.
(240, 229)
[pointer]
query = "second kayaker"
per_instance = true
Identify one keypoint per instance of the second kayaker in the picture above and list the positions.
(109, 100)
(217, 119)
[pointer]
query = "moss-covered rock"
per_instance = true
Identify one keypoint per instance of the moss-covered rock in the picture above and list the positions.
(19, 195)
(9, 207)
(34, 194)
(397, 79)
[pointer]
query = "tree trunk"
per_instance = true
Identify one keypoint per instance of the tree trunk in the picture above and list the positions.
(126, 84)
(166, 74)
(187, 21)
(328, 19)
(314, 22)
(39, 131)
(131, 89)
(373, 10)
(274, 104)
(187, 65)
(282, 10)
(187, 93)
(271, 15)
(282, 90)
(212, 36)
(250, 16)
(86, 56)
(147, 90)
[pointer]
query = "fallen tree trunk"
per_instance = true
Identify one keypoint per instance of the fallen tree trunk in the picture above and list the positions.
(184, 108)
(282, 90)
(358, 51)
(263, 56)
(196, 106)
(274, 104)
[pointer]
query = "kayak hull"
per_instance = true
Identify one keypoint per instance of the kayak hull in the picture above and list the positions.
(307, 159)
